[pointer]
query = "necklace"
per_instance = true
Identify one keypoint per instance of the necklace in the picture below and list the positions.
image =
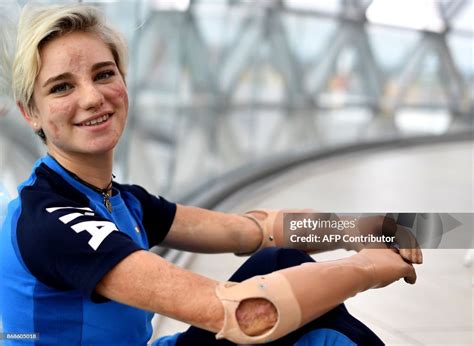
(106, 193)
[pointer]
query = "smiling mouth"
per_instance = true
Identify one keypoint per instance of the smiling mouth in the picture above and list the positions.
(97, 121)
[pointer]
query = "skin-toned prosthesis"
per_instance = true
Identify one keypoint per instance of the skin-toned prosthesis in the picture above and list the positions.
(266, 220)
(302, 293)
(270, 223)
(272, 227)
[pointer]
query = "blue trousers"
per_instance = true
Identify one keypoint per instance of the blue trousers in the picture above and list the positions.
(267, 261)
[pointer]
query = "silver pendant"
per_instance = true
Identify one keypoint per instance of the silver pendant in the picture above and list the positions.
(107, 203)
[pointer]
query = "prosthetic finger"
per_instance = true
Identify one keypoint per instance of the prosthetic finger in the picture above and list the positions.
(409, 248)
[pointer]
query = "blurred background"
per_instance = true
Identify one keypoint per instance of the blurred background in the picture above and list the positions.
(218, 85)
(338, 105)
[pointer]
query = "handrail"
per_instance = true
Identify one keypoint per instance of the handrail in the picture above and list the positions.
(211, 194)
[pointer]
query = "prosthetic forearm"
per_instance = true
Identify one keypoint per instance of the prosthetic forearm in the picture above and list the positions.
(303, 293)
(271, 225)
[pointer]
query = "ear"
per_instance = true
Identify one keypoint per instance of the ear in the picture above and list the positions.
(32, 119)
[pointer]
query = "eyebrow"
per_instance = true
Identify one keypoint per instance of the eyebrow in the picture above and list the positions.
(68, 75)
(62, 76)
(102, 64)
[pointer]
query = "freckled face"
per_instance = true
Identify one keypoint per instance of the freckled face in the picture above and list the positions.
(80, 98)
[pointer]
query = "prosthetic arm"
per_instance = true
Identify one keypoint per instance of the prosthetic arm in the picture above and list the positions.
(271, 225)
(303, 293)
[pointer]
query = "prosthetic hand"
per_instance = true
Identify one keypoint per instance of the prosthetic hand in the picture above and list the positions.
(404, 240)
(301, 294)
(270, 224)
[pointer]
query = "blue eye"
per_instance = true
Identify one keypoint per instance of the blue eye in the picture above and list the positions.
(105, 75)
(60, 88)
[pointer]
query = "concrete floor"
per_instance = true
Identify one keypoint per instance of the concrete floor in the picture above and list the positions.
(438, 309)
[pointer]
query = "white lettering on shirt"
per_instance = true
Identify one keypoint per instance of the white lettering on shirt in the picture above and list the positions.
(99, 230)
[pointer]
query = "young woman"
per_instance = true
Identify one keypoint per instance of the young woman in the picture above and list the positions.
(74, 262)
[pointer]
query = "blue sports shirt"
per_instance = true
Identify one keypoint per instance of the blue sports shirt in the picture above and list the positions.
(57, 242)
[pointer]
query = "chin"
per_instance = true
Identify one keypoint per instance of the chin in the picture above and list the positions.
(101, 148)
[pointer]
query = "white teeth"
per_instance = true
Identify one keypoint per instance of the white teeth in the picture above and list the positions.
(96, 121)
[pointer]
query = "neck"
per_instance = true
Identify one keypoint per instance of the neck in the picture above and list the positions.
(96, 171)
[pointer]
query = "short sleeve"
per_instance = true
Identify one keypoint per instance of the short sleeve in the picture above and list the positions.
(156, 212)
(66, 245)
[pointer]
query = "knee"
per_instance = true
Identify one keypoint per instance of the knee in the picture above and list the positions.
(268, 260)
(282, 257)
(278, 251)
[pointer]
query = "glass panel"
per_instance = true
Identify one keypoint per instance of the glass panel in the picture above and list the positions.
(346, 82)
(327, 6)
(217, 84)
(414, 14)
(427, 87)
(308, 35)
(218, 23)
(392, 46)
(464, 20)
(9, 12)
(462, 49)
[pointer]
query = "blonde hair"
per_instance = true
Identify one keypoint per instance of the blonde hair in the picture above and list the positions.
(39, 25)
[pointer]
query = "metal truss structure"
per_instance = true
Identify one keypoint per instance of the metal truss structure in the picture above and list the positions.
(216, 85)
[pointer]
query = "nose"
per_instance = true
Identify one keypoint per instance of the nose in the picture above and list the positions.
(91, 98)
